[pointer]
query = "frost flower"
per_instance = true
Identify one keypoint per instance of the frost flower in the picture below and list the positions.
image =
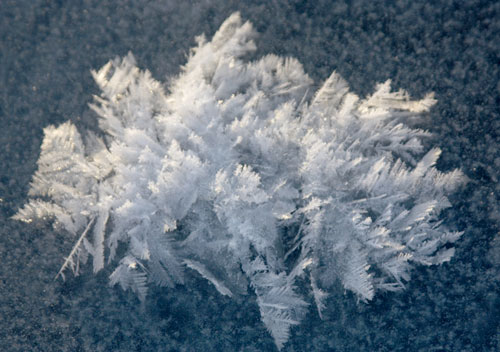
(239, 175)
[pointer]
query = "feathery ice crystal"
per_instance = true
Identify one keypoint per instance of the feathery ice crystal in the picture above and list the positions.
(237, 174)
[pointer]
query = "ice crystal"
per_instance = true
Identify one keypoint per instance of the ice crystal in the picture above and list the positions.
(239, 175)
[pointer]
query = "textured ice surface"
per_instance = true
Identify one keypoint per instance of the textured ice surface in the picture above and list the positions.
(447, 48)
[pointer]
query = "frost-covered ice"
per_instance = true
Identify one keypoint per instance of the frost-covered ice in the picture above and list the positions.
(239, 173)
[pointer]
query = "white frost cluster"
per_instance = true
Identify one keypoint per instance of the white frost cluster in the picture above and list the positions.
(239, 175)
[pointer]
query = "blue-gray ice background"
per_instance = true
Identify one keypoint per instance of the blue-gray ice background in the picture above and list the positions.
(47, 49)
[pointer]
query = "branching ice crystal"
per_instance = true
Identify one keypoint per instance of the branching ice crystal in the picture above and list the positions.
(241, 176)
